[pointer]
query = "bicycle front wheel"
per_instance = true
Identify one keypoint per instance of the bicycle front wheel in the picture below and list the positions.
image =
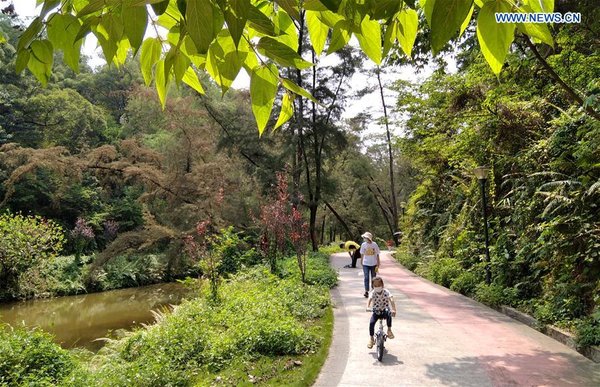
(380, 348)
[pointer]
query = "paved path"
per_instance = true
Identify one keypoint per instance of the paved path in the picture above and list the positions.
(442, 339)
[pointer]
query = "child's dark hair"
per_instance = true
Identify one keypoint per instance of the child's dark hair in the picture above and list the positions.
(378, 279)
(342, 245)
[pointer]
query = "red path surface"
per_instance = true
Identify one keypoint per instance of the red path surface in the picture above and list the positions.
(442, 339)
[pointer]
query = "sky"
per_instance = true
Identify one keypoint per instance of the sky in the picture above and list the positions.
(370, 102)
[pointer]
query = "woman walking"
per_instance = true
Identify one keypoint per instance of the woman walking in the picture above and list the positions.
(369, 252)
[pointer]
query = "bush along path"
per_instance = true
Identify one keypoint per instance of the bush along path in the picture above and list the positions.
(442, 339)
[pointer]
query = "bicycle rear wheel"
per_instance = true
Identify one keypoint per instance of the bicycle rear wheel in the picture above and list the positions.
(380, 348)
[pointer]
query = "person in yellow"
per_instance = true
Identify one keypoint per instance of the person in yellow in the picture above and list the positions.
(353, 250)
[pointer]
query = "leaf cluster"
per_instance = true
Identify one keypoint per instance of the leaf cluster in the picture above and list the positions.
(223, 37)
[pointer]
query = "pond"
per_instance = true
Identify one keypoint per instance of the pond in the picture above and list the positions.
(79, 321)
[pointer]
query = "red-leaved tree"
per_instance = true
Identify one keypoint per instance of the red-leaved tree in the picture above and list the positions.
(283, 227)
(197, 247)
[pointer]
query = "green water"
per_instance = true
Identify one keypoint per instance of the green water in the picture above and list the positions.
(79, 321)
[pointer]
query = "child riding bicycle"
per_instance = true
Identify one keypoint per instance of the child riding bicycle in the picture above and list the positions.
(382, 303)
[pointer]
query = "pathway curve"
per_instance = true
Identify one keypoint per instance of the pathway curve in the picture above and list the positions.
(442, 339)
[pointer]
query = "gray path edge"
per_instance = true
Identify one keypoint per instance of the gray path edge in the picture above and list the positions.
(340, 344)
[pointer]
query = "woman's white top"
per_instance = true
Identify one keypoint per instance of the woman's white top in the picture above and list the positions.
(369, 251)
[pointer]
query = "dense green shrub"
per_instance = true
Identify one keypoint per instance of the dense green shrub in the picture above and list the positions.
(407, 260)
(588, 331)
(235, 252)
(331, 248)
(444, 271)
(27, 245)
(465, 283)
(132, 270)
(318, 270)
(492, 295)
(31, 358)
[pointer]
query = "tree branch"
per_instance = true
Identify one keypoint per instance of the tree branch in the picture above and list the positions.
(570, 91)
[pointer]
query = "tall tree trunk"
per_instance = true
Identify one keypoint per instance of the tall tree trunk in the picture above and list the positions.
(394, 203)
(299, 112)
(312, 226)
(340, 219)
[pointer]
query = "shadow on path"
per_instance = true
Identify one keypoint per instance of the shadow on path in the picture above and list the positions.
(514, 370)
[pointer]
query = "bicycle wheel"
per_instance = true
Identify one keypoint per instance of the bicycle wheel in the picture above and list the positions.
(380, 348)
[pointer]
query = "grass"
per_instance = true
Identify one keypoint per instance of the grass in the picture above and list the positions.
(294, 371)
(265, 330)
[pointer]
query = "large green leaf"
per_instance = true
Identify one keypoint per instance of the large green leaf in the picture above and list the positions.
(408, 24)
(370, 39)
(91, 7)
(201, 16)
(160, 7)
(294, 88)
(281, 53)
(40, 60)
(150, 54)
(190, 78)
(330, 18)
(86, 27)
(332, 5)
(467, 20)
(224, 61)
(537, 31)
(541, 5)
(427, 7)
(161, 82)
(446, 20)
(30, 33)
(170, 17)
(109, 33)
(260, 22)
(494, 38)
(263, 88)
(49, 5)
(384, 9)
(313, 5)
(22, 60)
(62, 30)
(286, 29)
(317, 31)
(236, 16)
(141, 3)
(389, 37)
(123, 47)
(287, 110)
(291, 7)
(339, 36)
(180, 65)
(135, 21)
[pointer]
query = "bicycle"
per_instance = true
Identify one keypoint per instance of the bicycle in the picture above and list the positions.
(380, 337)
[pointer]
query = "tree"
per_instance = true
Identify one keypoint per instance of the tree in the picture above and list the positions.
(222, 37)
(318, 136)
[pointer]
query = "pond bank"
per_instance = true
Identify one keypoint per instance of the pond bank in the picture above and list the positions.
(79, 321)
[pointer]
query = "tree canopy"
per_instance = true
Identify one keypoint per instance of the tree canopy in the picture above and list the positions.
(176, 38)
